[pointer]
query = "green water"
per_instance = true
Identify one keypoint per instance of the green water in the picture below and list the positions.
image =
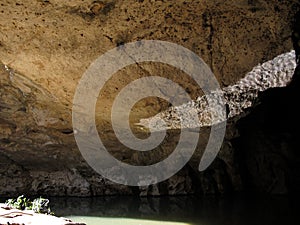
(120, 221)
(183, 210)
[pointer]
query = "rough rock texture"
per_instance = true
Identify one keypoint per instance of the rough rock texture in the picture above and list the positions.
(45, 47)
(269, 137)
(268, 142)
(238, 97)
(18, 217)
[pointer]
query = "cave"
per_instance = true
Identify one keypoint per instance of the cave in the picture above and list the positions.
(88, 88)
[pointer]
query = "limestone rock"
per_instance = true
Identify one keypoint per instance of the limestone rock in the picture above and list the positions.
(24, 217)
(46, 46)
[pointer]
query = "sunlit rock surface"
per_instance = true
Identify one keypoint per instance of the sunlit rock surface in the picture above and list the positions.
(238, 97)
(26, 217)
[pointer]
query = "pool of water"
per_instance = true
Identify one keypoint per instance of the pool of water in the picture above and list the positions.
(120, 221)
(182, 210)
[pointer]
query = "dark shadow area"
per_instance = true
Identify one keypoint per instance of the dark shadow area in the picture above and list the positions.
(237, 209)
(269, 137)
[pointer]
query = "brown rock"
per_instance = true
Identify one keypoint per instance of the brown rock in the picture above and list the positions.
(46, 46)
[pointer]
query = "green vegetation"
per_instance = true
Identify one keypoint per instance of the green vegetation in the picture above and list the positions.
(38, 205)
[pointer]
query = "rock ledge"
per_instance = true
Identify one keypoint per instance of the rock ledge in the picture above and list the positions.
(19, 217)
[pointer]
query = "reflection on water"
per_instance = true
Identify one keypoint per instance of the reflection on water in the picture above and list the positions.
(186, 210)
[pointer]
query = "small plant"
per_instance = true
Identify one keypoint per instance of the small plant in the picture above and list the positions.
(41, 205)
(21, 203)
(38, 205)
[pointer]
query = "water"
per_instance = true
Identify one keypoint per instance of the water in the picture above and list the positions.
(183, 210)
(120, 221)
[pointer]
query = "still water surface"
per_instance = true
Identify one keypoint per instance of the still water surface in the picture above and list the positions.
(182, 210)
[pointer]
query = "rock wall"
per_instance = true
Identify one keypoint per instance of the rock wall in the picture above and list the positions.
(268, 143)
(45, 47)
